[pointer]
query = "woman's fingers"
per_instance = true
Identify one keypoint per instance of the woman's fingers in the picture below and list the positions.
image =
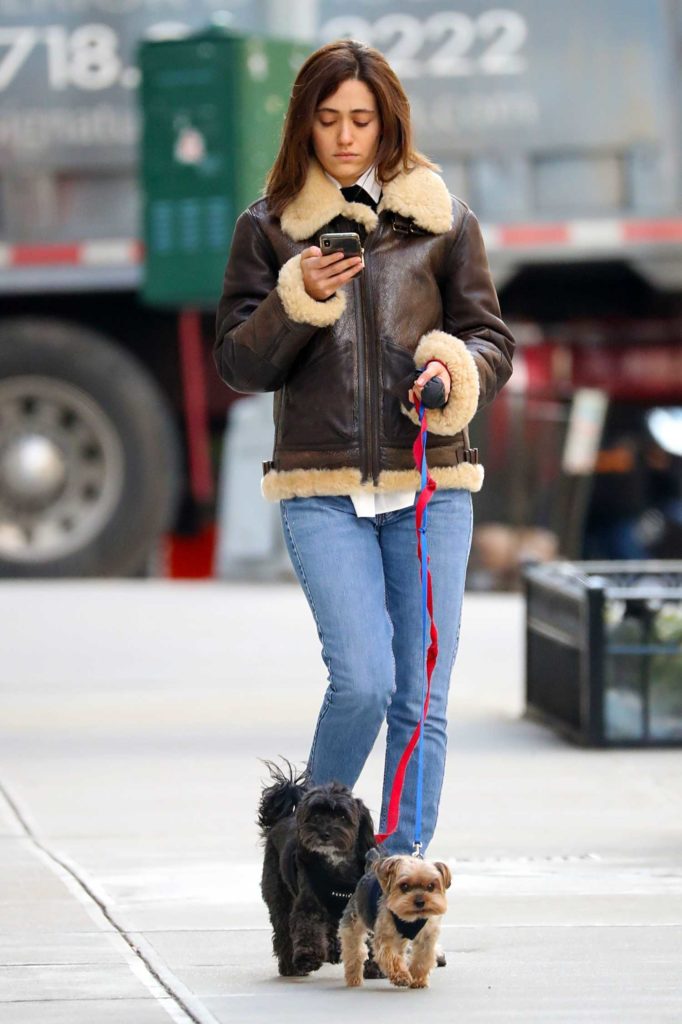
(430, 371)
(314, 261)
(323, 275)
(312, 257)
(332, 284)
(340, 267)
(312, 250)
(329, 267)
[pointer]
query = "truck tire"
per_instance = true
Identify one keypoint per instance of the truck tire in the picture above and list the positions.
(89, 454)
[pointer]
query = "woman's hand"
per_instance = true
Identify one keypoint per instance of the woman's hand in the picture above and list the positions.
(432, 369)
(324, 275)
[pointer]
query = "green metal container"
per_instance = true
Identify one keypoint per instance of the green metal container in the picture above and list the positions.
(213, 106)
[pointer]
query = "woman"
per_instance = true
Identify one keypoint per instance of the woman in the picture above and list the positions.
(339, 341)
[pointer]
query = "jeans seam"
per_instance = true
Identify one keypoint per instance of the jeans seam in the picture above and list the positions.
(388, 728)
(328, 697)
(452, 664)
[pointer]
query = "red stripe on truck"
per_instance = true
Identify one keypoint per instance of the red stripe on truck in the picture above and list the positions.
(534, 234)
(102, 252)
(652, 231)
(498, 236)
(32, 255)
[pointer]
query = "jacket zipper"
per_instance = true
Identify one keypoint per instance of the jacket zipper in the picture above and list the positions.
(363, 381)
(373, 377)
(367, 378)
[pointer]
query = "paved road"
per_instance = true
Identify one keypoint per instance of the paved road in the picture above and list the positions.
(133, 718)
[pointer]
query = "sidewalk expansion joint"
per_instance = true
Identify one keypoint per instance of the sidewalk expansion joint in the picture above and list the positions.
(145, 960)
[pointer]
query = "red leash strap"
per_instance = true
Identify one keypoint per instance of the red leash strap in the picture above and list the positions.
(418, 450)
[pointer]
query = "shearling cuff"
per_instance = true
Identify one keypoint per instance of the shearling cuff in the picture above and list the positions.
(464, 382)
(298, 305)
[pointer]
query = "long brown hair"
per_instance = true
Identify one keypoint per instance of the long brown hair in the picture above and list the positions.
(319, 77)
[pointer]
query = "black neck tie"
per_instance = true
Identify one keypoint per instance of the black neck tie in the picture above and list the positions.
(357, 194)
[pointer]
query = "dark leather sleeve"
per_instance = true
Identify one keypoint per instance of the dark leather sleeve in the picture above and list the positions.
(256, 342)
(471, 310)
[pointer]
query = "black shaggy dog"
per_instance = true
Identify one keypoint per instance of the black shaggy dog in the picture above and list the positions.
(316, 838)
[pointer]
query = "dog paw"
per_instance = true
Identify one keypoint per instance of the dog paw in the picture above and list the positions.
(334, 954)
(420, 982)
(402, 980)
(354, 980)
(371, 970)
(305, 963)
(287, 970)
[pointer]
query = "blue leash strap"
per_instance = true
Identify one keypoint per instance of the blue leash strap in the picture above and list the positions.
(424, 578)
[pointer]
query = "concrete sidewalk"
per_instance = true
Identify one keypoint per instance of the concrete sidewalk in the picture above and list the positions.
(133, 718)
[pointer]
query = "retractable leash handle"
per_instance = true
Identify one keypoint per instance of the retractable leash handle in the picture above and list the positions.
(436, 396)
(433, 392)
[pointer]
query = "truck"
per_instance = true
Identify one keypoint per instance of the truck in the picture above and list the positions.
(106, 401)
(559, 125)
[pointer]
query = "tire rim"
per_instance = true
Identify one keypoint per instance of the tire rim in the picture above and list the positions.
(61, 469)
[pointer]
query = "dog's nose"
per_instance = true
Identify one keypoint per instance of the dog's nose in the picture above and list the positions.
(325, 836)
(420, 903)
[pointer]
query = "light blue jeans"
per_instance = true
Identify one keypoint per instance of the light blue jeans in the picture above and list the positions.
(361, 579)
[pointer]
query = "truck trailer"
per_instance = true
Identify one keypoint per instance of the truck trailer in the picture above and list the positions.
(559, 125)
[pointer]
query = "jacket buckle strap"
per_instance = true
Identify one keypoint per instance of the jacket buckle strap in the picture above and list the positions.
(405, 226)
(267, 466)
(468, 455)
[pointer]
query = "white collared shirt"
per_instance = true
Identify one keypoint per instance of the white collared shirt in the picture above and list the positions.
(367, 180)
(368, 503)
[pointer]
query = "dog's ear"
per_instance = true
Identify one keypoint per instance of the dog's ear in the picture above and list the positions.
(385, 871)
(444, 870)
(365, 829)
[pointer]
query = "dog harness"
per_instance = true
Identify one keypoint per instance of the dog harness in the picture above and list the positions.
(368, 894)
(326, 885)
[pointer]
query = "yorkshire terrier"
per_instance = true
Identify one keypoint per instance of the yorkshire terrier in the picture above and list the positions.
(316, 839)
(400, 900)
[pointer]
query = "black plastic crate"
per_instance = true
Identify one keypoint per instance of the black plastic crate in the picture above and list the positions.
(604, 651)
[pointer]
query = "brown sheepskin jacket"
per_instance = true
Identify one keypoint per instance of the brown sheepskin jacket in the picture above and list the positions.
(341, 368)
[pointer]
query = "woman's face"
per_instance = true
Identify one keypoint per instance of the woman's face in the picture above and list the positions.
(346, 131)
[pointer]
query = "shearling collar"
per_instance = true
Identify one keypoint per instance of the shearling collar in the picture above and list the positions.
(419, 194)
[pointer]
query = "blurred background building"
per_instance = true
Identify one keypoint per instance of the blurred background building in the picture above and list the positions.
(559, 124)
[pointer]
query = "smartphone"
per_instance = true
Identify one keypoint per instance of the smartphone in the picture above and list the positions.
(347, 242)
